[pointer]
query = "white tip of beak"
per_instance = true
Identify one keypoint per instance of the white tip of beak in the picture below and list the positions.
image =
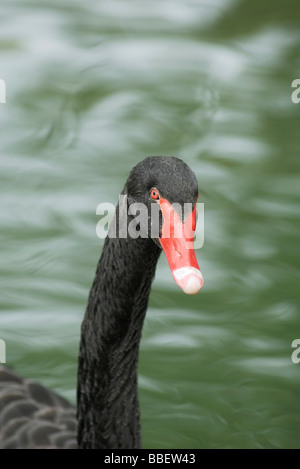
(189, 279)
(193, 285)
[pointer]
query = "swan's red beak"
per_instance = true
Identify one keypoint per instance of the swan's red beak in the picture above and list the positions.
(178, 245)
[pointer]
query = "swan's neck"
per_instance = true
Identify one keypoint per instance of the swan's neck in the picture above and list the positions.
(108, 409)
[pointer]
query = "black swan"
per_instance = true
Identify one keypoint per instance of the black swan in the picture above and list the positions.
(32, 416)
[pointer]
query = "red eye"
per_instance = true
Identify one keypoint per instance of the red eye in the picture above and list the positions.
(154, 194)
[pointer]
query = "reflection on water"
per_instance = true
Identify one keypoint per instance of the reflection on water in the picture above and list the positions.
(92, 90)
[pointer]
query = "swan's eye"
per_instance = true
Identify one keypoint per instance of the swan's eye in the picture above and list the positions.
(154, 194)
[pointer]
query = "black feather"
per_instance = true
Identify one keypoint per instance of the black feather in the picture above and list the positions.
(108, 416)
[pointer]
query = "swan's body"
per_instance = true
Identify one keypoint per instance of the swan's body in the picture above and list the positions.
(32, 416)
(108, 410)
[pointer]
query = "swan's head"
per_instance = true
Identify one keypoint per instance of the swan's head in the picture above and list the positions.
(168, 190)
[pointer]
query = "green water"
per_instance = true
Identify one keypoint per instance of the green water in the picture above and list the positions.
(93, 88)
